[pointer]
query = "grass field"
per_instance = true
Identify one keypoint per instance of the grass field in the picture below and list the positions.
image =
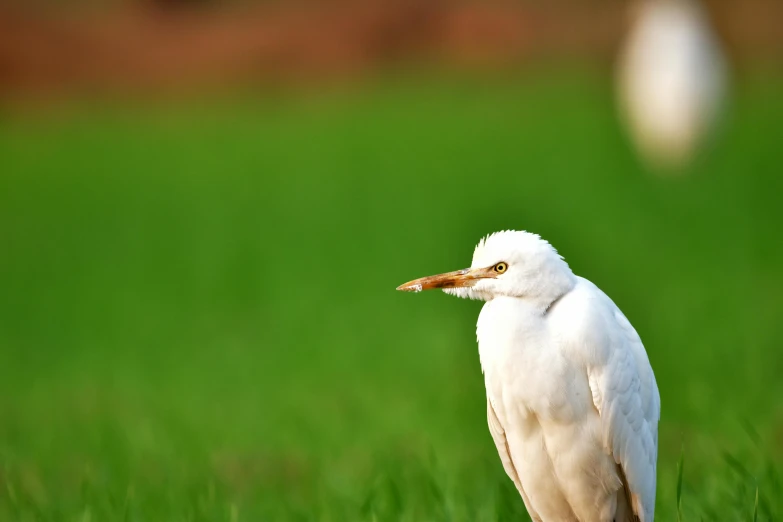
(198, 318)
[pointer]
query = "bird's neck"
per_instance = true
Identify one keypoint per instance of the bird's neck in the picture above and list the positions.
(545, 295)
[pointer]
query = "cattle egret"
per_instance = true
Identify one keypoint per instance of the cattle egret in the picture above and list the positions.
(671, 81)
(572, 402)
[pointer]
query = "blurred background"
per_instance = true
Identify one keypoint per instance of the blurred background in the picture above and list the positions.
(206, 205)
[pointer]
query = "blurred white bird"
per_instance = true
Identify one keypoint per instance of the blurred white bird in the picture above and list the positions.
(572, 402)
(671, 80)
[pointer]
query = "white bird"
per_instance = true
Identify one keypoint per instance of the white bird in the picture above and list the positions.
(671, 80)
(572, 402)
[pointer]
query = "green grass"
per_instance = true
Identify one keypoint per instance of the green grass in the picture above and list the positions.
(198, 318)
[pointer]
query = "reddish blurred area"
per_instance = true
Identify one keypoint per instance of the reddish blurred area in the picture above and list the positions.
(146, 44)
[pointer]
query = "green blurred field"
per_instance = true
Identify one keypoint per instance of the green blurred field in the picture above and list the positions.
(198, 318)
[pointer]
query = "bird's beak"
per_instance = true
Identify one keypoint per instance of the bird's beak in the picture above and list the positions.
(458, 279)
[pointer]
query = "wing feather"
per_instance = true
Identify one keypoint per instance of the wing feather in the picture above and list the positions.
(499, 436)
(626, 397)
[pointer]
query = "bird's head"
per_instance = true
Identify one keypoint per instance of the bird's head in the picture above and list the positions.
(509, 263)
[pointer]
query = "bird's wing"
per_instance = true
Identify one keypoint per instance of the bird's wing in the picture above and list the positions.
(499, 436)
(626, 397)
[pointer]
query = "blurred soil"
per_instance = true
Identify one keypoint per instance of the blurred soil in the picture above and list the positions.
(168, 44)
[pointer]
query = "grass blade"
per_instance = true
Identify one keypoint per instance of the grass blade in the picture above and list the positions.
(756, 506)
(679, 483)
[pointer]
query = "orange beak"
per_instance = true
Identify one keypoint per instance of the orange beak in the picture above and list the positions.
(458, 279)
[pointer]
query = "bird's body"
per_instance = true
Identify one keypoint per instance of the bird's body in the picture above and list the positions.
(572, 402)
(671, 80)
(543, 374)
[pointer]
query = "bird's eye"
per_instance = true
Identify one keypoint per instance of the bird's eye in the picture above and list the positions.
(500, 267)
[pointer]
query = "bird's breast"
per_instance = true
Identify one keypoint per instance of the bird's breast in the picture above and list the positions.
(525, 369)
